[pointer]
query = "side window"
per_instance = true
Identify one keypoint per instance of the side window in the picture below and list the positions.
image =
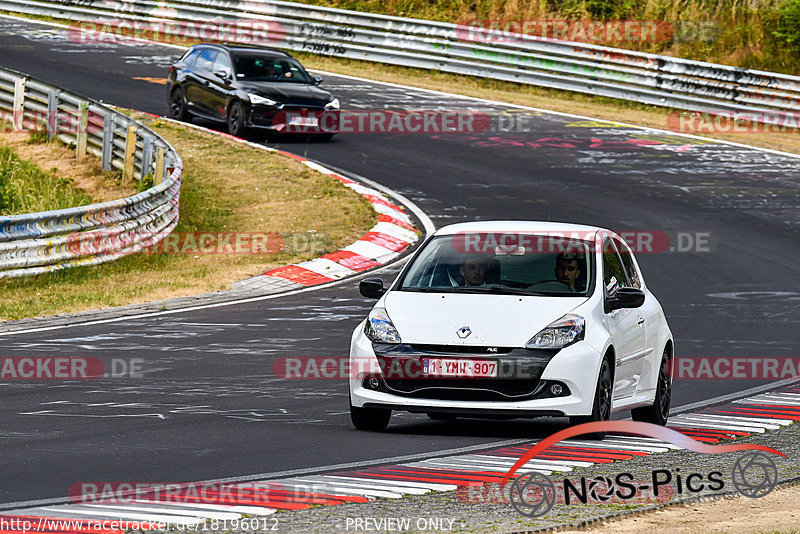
(190, 57)
(206, 59)
(613, 273)
(627, 260)
(222, 63)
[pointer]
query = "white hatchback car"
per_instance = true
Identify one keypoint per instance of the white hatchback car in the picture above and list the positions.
(513, 319)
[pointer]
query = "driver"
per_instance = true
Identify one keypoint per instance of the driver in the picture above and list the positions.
(474, 271)
(568, 269)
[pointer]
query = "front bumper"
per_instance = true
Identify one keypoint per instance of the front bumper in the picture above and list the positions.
(520, 390)
(294, 120)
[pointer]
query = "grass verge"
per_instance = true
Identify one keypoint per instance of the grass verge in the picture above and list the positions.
(227, 188)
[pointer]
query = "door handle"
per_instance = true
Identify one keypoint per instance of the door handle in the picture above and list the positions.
(640, 321)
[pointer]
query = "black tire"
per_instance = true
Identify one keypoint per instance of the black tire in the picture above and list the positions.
(374, 419)
(235, 119)
(438, 416)
(658, 412)
(601, 407)
(177, 105)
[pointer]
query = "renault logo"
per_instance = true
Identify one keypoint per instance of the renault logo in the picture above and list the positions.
(464, 332)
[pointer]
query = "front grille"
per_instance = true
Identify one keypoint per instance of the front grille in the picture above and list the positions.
(461, 349)
(473, 389)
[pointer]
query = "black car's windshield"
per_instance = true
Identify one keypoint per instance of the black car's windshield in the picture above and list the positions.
(493, 263)
(257, 68)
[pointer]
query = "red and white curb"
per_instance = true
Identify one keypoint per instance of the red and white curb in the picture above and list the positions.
(381, 244)
(385, 241)
(736, 419)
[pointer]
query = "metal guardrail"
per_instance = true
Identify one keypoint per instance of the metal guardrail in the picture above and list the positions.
(585, 68)
(39, 242)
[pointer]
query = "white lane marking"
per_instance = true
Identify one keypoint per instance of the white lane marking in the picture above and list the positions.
(755, 419)
(647, 442)
(573, 463)
(327, 267)
(618, 446)
(391, 212)
(791, 404)
(640, 443)
(389, 481)
(343, 490)
(370, 485)
(715, 426)
(395, 231)
(556, 464)
(722, 421)
(469, 469)
(489, 465)
(370, 250)
(239, 508)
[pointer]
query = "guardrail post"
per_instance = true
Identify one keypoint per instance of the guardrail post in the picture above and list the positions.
(147, 154)
(52, 113)
(19, 102)
(83, 126)
(109, 123)
(130, 150)
(158, 173)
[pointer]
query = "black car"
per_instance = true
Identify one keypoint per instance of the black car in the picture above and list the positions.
(250, 88)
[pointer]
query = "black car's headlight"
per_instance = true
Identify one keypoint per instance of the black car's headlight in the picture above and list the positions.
(559, 334)
(261, 100)
(333, 104)
(379, 327)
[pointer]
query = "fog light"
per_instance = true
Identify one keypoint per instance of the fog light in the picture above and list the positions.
(556, 390)
(373, 383)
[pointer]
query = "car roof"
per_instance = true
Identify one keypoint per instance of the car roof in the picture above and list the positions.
(238, 49)
(584, 231)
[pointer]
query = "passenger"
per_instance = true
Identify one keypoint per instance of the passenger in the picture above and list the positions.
(568, 269)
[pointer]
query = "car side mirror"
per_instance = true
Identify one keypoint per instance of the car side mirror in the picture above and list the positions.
(223, 75)
(372, 288)
(317, 79)
(625, 297)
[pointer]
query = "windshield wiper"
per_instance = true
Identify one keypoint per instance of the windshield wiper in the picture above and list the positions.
(499, 289)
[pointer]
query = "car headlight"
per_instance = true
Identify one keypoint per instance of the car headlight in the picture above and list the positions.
(333, 104)
(558, 334)
(258, 99)
(379, 327)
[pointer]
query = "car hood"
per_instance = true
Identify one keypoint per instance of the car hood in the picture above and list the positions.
(289, 93)
(495, 320)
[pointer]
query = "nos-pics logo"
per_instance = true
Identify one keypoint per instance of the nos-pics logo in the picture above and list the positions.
(534, 494)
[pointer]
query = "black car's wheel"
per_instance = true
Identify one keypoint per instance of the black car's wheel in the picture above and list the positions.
(177, 105)
(375, 419)
(601, 408)
(236, 119)
(658, 412)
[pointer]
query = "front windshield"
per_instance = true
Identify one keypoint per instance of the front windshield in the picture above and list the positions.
(526, 264)
(257, 68)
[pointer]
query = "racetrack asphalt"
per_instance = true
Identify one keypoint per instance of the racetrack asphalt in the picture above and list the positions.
(209, 405)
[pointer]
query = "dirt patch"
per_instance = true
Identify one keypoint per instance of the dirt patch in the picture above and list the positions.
(778, 512)
(85, 173)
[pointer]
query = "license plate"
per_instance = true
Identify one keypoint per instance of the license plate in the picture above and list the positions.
(459, 367)
(303, 121)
